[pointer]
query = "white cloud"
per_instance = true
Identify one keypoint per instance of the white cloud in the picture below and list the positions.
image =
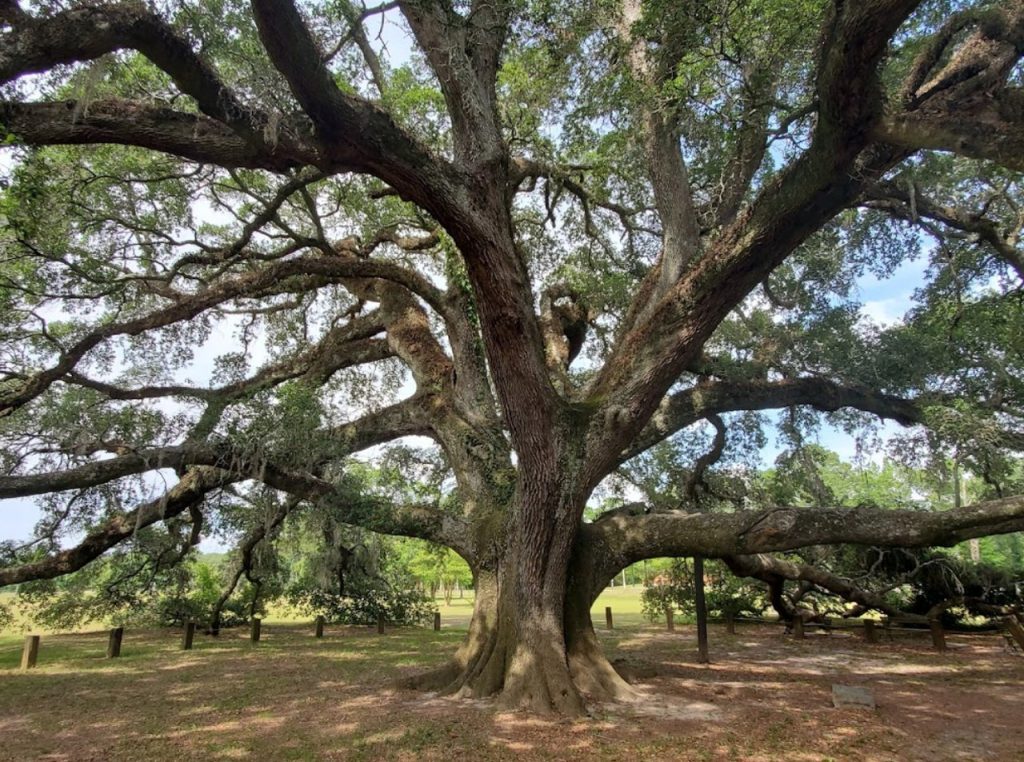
(886, 312)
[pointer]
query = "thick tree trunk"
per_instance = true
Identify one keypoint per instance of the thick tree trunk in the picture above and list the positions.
(518, 656)
(531, 642)
(545, 662)
(590, 669)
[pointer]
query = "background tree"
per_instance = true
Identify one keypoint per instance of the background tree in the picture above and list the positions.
(548, 239)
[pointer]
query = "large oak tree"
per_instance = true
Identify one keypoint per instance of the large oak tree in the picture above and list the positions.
(581, 229)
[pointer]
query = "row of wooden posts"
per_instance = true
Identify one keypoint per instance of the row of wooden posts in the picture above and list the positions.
(30, 652)
(935, 627)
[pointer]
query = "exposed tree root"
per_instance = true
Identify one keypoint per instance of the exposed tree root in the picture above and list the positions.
(593, 674)
(538, 674)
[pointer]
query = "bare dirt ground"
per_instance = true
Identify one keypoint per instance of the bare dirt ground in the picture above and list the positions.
(764, 697)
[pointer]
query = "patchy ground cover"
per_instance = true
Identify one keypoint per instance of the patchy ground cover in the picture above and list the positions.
(293, 697)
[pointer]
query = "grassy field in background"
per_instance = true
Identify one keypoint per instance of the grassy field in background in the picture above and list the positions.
(625, 603)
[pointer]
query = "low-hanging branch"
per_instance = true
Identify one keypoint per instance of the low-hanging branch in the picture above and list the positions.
(183, 496)
(761, 565)
(628, 537)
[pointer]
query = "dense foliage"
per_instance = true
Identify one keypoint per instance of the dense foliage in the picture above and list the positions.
(725, 595)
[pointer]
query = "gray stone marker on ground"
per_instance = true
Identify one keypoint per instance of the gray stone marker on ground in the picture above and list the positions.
(852, 695)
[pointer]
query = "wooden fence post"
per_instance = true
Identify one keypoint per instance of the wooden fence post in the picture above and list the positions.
(1014, 627)
(870, 633)
(319, 626)
(608, 617)
(730, 624)
(30, 653)
(254, 635)
(938, 634)
(669, 621)
(798, 627)
(114, 642)
(437, 621)
(188, 636)
(702, 610)
(380, 624)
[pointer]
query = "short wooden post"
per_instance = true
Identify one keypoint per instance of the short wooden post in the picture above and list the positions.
(1014, 627)
(319, 626)
(188, 636)
(380, 624)
(254, 635)
(870, 632)
(938, 634)
(608, 618)
(114, 642)
(669, 619)
(437, 621)
(730, 624)
(798, 627)
(30, 653)
(700, 603)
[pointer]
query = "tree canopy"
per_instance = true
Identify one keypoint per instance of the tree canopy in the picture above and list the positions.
(249, 247)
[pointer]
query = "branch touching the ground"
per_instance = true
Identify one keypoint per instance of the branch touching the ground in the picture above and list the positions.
(624, 539)
(245, 550)
(761, 566)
